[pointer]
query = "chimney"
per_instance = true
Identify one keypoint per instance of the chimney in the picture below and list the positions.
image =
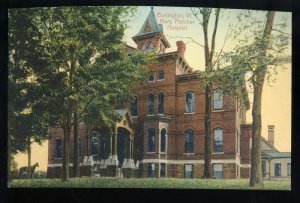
(271, 134)
(181, 48)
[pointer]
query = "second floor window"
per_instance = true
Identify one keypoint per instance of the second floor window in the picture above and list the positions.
(163, 142)
(218, 140)
(151, 76)
(160, 108)
(134, 107)
(289, 169)
(151, 140)
(218, 99)
(151, 104)
(189, 102)
(161, 75)
(189, 141)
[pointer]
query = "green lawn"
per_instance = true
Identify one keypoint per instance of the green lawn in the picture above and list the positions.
(149, 183)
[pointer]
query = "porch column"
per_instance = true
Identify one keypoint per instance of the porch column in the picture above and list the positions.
(128, 147)
(110, 142)
(115, 142)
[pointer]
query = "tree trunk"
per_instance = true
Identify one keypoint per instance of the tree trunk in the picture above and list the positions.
(76, 146)
(65, 168)
(207, 149)
(208, 89)
(29, 157)
(9, 178)
(256, 165)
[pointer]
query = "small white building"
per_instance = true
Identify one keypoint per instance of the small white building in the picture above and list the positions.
(275, 164)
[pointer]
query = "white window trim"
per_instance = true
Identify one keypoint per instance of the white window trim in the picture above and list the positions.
(218, 153)
(187, 113)
(188, 154)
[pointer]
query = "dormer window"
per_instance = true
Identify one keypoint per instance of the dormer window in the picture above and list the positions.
(151, 47)
(144, 48)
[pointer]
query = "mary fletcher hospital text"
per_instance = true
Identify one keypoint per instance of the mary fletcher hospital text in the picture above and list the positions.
(175, 21)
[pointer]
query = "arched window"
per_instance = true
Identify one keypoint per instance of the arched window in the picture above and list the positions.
(189, 141)
(58, 149)
(218, 140)
(94, 142)
(161, 75)
(151, 76)
(151, 104)
(160, 108)
(105, 144)
(151, 140)
(151, 47)
(218, 99)
(190, 102)
(144, 48)
(134, 107)
(163, 141)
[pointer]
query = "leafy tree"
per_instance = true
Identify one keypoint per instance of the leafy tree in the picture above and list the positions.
(258, 57)
(209, 52)
(25, 125)
(80, 67)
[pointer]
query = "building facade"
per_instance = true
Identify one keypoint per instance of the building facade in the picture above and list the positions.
(161, 133)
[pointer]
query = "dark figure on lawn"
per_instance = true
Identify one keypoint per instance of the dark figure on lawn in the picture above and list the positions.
(25, 169)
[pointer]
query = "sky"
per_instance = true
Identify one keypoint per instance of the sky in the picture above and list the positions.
(179, 24)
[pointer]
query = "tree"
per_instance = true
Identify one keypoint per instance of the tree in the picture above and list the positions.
(256, 59)
(24, 124)
(209, 54)
(81, 69)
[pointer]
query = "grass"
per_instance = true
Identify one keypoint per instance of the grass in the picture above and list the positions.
(169, 183)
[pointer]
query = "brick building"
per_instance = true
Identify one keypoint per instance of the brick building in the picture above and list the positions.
(161, 133)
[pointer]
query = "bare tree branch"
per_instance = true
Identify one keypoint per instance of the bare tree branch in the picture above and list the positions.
(282, 32)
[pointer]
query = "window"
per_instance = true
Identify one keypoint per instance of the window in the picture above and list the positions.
(151, 140)
(105, 144)
(80, 148)
(151, 47)
(163, 140)
(94, 143)
(189, 141)
(58, 149)
(151, 104)
(188, 171)
(163, 170)
(277, 169)
(218, 140)
(144, 48)
(289, 169)
(151, 76)
(134, 107)
(160, 103)
(263, 168)
(218, 171)
(218, 99)
(161, 75)
(151, 170)
(189, 102)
